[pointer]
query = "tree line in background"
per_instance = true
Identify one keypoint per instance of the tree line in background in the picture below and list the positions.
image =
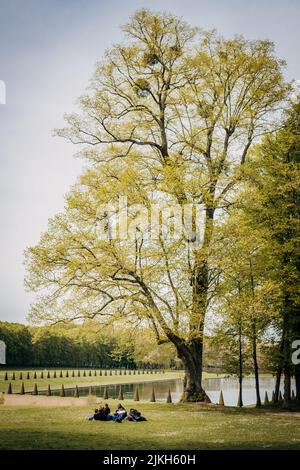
(84, 346)
(81, 346)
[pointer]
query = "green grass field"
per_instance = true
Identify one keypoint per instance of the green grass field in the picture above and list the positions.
(174, 426)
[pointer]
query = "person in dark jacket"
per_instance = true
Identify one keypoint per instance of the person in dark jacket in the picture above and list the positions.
(136, 415)
(106, 409)
(101, 415)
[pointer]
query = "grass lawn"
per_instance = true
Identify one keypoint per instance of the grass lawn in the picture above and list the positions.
(173, 426)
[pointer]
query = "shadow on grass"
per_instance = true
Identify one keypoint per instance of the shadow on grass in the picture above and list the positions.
(15, 440)
(248, 410)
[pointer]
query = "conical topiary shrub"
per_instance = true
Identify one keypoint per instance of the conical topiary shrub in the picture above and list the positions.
(76, 392)
(78, 375)
(105, 372)
(67, 374)
(28, 376)
(133, 371)
(120, 395)
(90, 373)
(138, 371)
(22, 391)
(169, 397)
(62, 391)
(9, 390)
(110, 372)
(116, 371)
(120, 372)
(105, 396)
(152, 398)
(266, 402)
(42, 375)
(95, 373)
(136, 396)
(54, 374)
(34, 375)
(221, 399)
(13, 376)
(35, 390)
(100, 373)
(49, 393)
(6, 376)
(84, 374)
(73, 373)
(61, 375)
(48, 375)
(20, 376)
(129, 372)
(125, 372)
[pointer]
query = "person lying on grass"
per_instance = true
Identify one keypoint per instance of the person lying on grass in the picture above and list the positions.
(135, 415)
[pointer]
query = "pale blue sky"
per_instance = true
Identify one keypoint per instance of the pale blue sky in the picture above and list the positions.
(47, 52)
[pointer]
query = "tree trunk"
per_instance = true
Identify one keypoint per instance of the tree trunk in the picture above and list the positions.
(191, 356)
(297, 380)
(191, 352)
(255, 365)
(287, 376)
(254, 346)
(240, 367)
(287, 389)
(277, 384)
(279, 369)
(286, 357)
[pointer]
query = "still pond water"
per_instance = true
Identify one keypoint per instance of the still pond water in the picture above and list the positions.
(212, 386)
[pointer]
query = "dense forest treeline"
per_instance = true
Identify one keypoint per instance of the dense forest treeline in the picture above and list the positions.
(80, 346)
(89, 345)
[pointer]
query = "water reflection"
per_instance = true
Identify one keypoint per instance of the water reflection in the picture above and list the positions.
(229, 386)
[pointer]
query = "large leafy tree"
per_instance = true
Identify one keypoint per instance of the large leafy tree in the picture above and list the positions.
(169, 117)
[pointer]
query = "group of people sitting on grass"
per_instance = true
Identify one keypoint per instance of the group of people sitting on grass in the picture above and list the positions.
(103, 414)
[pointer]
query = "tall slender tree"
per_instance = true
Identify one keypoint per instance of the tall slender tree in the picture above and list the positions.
(247, 297)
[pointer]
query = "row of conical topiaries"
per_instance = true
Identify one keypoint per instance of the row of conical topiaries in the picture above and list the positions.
(78, 373)
(266, 400)
(120, 394)
(136, 397)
